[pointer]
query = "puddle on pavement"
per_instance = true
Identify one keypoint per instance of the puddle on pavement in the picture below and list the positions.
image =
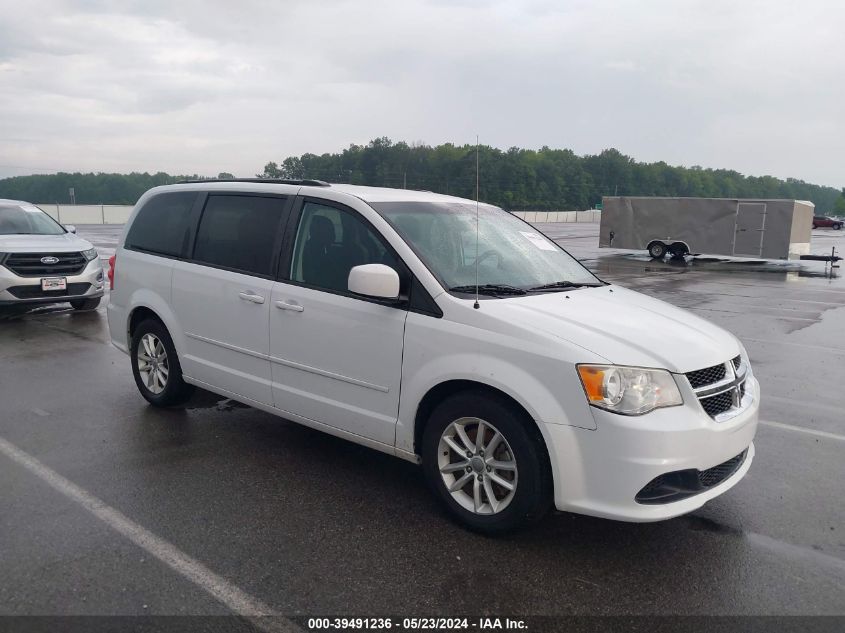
(206, 400)
(626, 262)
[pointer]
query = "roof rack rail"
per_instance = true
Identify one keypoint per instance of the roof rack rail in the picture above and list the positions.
(273, 181)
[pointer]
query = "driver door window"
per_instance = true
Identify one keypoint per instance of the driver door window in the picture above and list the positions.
(329, 243)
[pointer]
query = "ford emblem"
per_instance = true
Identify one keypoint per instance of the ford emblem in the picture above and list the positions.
(49, 260)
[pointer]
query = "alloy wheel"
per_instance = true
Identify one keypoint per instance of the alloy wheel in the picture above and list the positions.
(153, 364)
(477, 465)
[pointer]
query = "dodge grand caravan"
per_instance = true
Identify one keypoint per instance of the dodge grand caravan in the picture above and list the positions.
(42, 261)
(353, 310)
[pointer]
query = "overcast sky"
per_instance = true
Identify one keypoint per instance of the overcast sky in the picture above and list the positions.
(205, 86)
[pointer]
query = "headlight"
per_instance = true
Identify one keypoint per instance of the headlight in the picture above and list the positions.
(90, 254)
(629, 390)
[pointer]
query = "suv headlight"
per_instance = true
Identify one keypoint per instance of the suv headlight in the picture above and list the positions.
(629, 390)
(90, 254)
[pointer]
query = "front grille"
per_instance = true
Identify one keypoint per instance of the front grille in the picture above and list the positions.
(35, 292)
(720, 403)
(30, 264)
(706, 376)
(730, 375)
(681, 484)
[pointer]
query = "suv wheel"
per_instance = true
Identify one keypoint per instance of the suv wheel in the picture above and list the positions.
(85, 304)
(486, 462)
(155, 366)
(837, 226)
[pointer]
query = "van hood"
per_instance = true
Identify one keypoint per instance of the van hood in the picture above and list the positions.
(623, 326)
(65, 243)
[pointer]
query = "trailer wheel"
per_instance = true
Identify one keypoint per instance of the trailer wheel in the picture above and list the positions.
(679, 250)
(657, 250)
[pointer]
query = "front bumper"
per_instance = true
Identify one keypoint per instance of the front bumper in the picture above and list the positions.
(17, 290)
(600, 472)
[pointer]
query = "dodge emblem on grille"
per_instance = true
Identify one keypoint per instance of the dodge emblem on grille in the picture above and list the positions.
(49, 260)
(736, 396)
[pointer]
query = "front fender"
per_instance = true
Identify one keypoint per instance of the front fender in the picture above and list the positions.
(540, 380)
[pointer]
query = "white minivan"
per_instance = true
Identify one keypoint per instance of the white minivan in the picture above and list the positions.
(353, 310)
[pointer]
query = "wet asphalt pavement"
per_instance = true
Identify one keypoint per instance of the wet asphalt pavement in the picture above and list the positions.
(312, 525)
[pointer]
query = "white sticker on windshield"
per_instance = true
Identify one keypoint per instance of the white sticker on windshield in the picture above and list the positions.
(539, 241)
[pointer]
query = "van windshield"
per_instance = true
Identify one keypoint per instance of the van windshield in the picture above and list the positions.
(16, 219)
(513, 257)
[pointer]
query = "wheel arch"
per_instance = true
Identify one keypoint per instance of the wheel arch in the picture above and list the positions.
(681, 243)
(448, 388)
(139, 314)
(149, 305)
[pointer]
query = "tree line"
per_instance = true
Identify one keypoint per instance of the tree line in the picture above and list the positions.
(516, 179)
(99, 188)
(545, 179)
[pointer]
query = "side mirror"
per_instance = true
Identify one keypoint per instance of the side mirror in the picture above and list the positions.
(374, 280)
(70, 228)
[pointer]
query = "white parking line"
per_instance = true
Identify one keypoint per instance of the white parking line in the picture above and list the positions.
(801, 429)
(219, 588)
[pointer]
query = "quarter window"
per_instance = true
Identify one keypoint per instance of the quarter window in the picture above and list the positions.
(239, 233)
(329, 243)
(161, 225)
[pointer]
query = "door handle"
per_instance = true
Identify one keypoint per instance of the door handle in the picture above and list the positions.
(251, 296)
(284, 305)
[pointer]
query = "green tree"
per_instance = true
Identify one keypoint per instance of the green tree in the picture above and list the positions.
(839, 206)
(518, 178)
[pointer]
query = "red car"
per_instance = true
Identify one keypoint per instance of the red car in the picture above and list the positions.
(820, 221)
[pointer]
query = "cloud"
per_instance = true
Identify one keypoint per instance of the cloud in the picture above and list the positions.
(206, 86)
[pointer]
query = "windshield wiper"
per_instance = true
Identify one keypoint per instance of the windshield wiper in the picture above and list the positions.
(490, 289)
(562, 285)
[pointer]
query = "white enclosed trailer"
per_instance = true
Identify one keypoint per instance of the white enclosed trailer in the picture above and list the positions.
(769, 229)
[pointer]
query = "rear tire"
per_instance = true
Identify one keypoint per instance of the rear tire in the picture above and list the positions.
(509, 482)
(657, 250)
(155, 365)
(84, 305)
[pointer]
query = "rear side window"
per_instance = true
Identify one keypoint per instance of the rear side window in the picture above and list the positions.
(239, 233)
(161, 225)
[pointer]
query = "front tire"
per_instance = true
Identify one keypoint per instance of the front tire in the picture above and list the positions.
(486, 462)
(155, 365)
(837, 227)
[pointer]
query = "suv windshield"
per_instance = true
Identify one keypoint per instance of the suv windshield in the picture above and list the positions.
(512, 256)
(16, 219)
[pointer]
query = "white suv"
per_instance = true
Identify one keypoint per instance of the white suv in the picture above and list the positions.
(353, 310)
(42, 261)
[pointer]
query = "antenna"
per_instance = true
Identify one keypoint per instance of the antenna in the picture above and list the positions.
(477, 305)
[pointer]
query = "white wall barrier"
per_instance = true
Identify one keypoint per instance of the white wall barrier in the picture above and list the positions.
(541, 217)
(88, 213)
